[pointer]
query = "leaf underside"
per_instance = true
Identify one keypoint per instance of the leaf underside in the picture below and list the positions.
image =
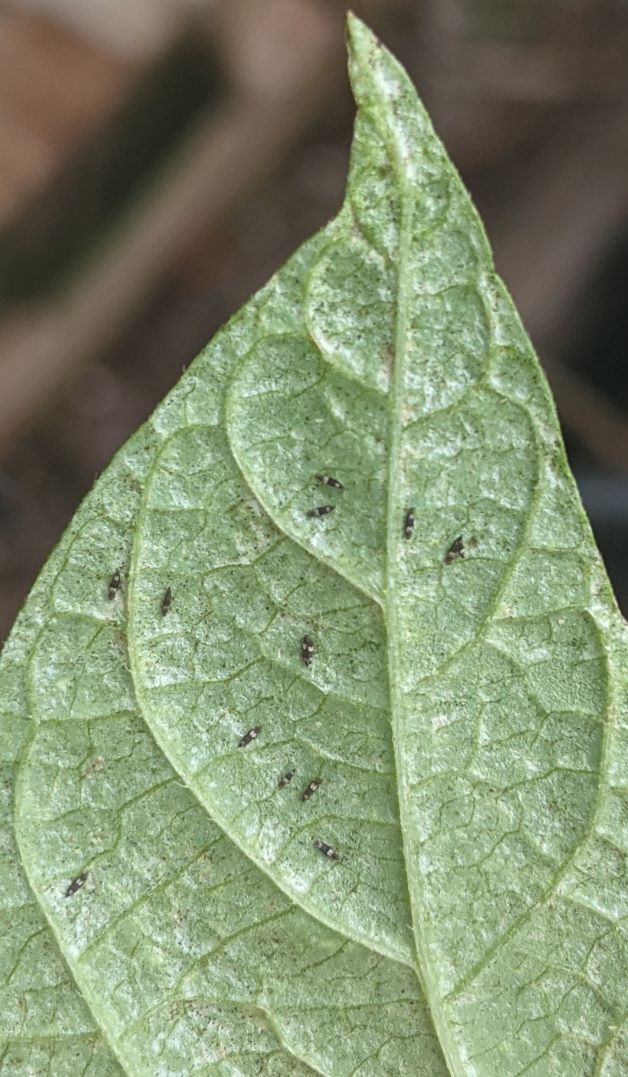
(456, 738)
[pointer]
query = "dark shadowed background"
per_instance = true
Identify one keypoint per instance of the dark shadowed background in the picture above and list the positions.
(159, 159)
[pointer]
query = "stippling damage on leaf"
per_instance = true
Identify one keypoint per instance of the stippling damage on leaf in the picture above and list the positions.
(267, 753)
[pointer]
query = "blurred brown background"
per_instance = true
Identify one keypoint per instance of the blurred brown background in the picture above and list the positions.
(159, 159)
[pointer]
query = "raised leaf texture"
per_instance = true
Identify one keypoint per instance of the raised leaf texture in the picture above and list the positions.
(462, 716)
(189, 958)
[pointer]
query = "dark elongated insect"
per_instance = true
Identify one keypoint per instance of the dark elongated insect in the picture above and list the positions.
(311, 788)
(285, 779)
(249, 737)
(321, 510)
(408, 524)
(307, 651)
(455, 551)
(327, 850)
(114, 586)
(328, 480)
(76, 884)
(166, 601)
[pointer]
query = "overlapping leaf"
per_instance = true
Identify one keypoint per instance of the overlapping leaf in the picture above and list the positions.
(460, 727)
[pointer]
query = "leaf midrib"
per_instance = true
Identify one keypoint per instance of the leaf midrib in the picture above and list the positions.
(432, 996)
(393, 526)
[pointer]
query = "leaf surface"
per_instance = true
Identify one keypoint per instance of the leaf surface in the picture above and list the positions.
(45, 1026)
(189, 959)
(436, 660)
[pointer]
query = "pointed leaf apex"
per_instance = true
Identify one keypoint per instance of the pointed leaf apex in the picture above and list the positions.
(377, 78)
(361, 42)
(357, 31)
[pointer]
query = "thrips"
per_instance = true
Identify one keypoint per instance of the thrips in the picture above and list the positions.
(455, 551)
(321, 510)
(307, 651)
(311, 788)
(249, 737)
(408, 524)
(114, 586)
(328, 480)
(327, 850)
(76, 884)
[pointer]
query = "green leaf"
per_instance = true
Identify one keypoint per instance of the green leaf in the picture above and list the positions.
(45, 1026)
(187, 956)
(463, 708)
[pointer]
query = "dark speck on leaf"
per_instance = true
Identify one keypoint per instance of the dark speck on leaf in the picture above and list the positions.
(321, 510)
(327, 850)
(307, 651)
(455, 551)
(408, 524)
(114, 586)
(328, 480)
(76, 884)
(249, 737)
(311, 788)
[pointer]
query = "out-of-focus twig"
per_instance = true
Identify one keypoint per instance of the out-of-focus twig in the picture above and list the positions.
(225, 154)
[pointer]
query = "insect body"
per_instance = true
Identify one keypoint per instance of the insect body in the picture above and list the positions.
(307, 651)
(408, 524)
(166, 601)
(249, 737)
(311, 788)
(328, 480)
(327, 850)
(114, 586)
(285, 779)
(321, 510)
(76, 884)
(455, 551)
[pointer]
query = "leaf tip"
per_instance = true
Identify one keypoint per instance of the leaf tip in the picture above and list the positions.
(360, 41)
(377, 78)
